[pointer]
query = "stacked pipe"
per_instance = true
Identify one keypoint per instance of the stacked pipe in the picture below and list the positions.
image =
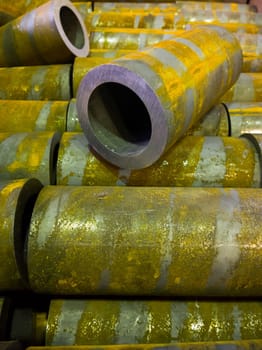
(172, 264)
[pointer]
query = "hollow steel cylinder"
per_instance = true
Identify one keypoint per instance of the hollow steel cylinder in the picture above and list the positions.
(109, 322)
(16, 205)
(194, 161)
(72, 123)
(245, 118)
(248, 88)
(52, 33)
(29, 155)
(136, 107)
(225, 345)
(250, 43)
(252, 64)
(51, 82)
(215, 121)
(146, 241)
(26, 116)
(82, 66)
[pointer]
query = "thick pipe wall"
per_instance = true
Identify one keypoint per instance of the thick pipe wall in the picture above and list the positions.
(194, 161)
(168, 97)
(51, 82)
(16, 205)
(95, 241)
(52, 33)
(32, 154)
(109, 322)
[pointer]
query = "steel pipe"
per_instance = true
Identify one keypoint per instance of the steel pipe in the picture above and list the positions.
(16, 204)
(226, 345)
(32, 154)
(31, 38)
(50, 82)
(248, 88)
(194, 161)
(111, 322)
(95, 241)
(252, 64)
(137, 107)
(72, 123)
(27, 116)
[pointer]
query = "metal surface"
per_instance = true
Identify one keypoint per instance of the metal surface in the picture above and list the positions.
(245, 118)
(52, 33)
(51, 82)
(72, 123)
(16, 205)
(248, 88)
(252, 64)
(137, 107)
(227, 345)
(32, 154)
(82, 66)
(194, 161)
(11, 345)
(26, 116)
(146, 241)
(109, 322)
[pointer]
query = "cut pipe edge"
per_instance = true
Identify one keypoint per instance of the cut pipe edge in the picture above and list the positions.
(109, 136)
(71, 27)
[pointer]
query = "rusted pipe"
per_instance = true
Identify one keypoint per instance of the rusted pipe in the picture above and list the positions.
(194, 161)
(52, 33)
(16, 204)
(112, 322)
(51, 82)
(32, 154)
(95, 241)
(135, 108)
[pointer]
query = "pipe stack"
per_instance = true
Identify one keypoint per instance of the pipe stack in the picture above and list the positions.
(130, 180)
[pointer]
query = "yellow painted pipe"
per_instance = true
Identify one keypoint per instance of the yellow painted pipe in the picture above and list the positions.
(146, 241)
(248, 88)
(16, 204)
(112, 322)
(136, 107)
(27, 116)
(52, 33)
(194, 161)
(32, 154)
(72, 124)
(226, 345)
(51, 82)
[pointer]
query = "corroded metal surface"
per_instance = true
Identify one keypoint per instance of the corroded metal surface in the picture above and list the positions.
(226, 345)
(108, 322)
(32, 154)
(248, 88)
(252, 64)
(26, 116)
(52, 33)
(245, 118)
(194, 161)
(72, 123)
(146, 241)
(135, 108)
(16, 205)
(51, 82)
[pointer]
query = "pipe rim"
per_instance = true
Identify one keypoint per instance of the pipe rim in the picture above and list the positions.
(81, 47)
(139, 157)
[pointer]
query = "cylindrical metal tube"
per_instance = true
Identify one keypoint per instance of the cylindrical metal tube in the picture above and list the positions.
(245, 118)
(248, 88)
(82, 66)
(51, 82)
(194, 161)
(252, 64)
(32, 154)
(95, 240)
(72, 122)
(226, 345)
(135, 108)
(111, 322)
(27, 116)
(52, 33)
(16, 204)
